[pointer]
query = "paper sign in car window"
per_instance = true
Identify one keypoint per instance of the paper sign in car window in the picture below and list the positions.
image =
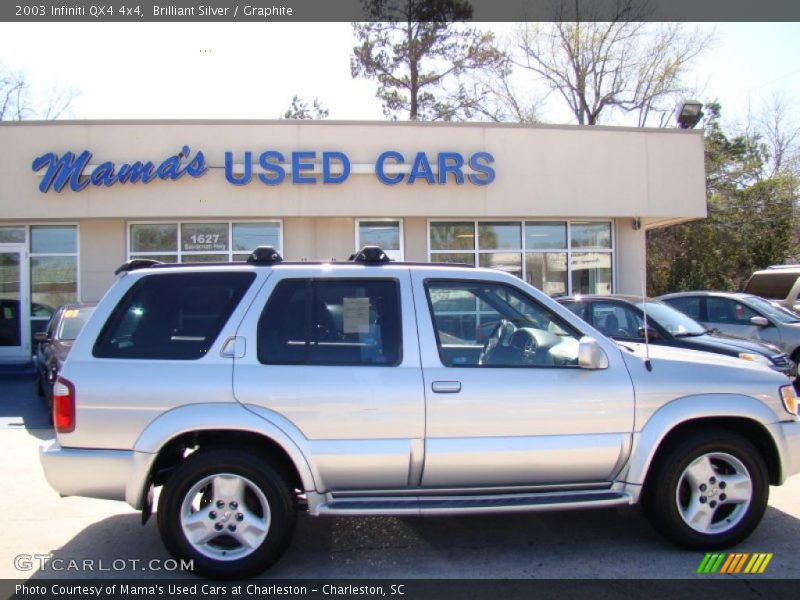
(71, 314)
(356, 315)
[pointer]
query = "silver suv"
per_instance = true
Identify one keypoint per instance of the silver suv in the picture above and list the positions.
(249, 392)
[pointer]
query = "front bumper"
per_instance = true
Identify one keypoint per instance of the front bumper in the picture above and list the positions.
(787, 438)
(87, 472)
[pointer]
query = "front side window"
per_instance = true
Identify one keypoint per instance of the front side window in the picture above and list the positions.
(171, 316)
(728, 312)
(481, 324)
(332, 322)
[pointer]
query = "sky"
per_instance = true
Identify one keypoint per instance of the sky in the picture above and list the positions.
(252, 70)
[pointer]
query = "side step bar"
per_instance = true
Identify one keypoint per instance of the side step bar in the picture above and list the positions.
(461, 505)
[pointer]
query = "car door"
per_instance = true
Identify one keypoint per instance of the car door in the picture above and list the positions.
(338, 359)
(733, 317)
(509, 418)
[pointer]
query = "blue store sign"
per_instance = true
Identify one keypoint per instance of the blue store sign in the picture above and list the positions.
(275, 168)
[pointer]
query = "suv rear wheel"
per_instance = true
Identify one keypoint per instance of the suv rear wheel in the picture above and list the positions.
(709, 492)
(228, 511)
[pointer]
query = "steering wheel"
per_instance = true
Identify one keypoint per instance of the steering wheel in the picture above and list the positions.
(529, 348)
(494, 338)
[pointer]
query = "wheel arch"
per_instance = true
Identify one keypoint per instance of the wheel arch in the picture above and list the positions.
(740, 414)
(164, 442)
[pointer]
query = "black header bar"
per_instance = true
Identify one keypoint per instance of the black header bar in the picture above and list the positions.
(286, 11)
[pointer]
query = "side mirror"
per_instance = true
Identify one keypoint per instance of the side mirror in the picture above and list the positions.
(591, 355)
(759, 321)
(40, 336)
(652, 334)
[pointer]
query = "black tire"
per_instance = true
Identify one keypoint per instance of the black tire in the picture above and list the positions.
(663, 501)
(39, 387)
(203, 464)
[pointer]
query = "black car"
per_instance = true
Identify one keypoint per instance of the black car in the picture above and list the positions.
(54, 344)
(622, 318)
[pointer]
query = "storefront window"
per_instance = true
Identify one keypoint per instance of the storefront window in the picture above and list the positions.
(545, 235)
(54, 270)
(547, 271)
(204, 237)
(12, 235)
(154, 238)
(201, 242)
(510, 262)
(249, 236)
(54, 239)
(464, 258)
(558, 257)
(591, 272)
(453, 236)
(590, 235)
(387, 234)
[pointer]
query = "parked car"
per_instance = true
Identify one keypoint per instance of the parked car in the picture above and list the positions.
(54, 343)
(780, 284)
(622, 318)
(251, 391)
(742, 315)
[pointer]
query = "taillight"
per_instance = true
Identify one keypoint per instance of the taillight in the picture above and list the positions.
(64, 406)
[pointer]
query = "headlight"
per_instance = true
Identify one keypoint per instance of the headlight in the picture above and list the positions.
(789, 397)
(759, 358)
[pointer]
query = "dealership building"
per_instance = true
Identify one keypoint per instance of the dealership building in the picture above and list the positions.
(563, 207)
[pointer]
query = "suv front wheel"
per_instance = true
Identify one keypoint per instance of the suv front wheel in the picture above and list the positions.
(228, 511)
(709, 492)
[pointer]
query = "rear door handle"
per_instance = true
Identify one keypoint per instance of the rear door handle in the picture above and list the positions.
(446, 387)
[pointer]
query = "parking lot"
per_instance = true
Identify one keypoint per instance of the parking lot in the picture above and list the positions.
(612, 543)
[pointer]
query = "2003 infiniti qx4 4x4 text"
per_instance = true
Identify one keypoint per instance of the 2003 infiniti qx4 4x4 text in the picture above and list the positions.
(252, 391)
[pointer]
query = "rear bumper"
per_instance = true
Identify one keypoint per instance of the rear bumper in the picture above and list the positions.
(787, 437)
(95, 473)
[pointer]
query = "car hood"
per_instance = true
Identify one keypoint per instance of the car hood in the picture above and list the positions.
(677, 373)
(731, 343)
(671, 355)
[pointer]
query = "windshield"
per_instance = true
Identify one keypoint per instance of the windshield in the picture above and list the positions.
(674, 321)
(72, 321)
(773, 312)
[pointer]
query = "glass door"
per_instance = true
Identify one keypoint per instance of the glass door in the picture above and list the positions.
(14, 325)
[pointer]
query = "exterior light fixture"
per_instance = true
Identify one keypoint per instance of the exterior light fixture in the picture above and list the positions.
(689, 114)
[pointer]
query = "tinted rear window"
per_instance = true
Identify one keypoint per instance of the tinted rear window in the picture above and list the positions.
(774, 285)
(172, 316)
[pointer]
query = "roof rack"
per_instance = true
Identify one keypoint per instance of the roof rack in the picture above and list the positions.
(267, 256)
(137, 263)
(370, 255)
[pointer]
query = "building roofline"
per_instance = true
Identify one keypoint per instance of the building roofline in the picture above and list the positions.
(350, 123)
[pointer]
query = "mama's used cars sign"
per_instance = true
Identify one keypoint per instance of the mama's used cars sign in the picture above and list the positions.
(269, 167)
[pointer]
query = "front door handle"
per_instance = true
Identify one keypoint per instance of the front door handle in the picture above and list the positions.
(446, 387)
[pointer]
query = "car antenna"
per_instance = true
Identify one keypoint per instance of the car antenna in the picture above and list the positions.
(647, 364)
